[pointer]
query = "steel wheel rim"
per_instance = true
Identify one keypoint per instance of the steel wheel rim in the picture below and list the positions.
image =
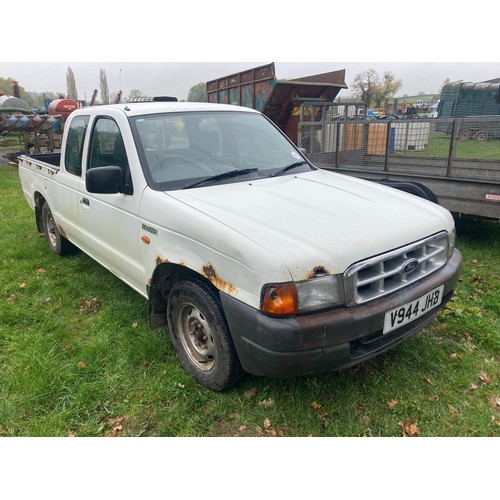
(196, 337)
(51, 230)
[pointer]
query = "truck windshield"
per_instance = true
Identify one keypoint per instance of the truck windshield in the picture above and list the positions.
(195, 149)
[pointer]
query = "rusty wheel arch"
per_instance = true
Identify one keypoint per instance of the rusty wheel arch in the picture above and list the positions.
(165, 275)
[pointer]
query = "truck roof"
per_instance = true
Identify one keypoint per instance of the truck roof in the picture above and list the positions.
(146, 108)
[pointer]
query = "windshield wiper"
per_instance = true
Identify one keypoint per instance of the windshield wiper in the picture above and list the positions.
(220, 177)
(288, 167)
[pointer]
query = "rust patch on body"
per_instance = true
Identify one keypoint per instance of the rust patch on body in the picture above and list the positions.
(211, 274)
(62, 231)
(161, 260)
(317, 271)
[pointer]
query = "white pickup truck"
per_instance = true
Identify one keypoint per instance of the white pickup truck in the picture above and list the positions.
(256, 260)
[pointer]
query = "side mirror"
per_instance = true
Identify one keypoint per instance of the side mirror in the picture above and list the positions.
(104, 180)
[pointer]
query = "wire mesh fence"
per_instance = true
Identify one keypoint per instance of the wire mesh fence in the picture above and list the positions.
(335, 136)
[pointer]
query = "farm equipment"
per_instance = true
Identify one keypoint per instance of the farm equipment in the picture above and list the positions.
(35, 130)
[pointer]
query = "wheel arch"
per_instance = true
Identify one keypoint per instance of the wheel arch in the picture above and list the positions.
(162, 280)
(415, 188)
(39, 202)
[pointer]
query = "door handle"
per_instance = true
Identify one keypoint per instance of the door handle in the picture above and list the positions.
(86, 201)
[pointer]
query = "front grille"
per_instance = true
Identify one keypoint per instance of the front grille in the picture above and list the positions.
(386, 273)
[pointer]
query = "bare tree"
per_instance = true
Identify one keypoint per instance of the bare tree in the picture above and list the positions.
(364, 86)
(104, 86)
(71, 84)
(370, 88)
(134, 93)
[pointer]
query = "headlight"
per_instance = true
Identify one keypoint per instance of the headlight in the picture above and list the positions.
(451, 242)
(289, 299)
(320, 293)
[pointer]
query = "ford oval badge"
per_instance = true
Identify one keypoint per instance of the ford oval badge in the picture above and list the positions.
(409, 266)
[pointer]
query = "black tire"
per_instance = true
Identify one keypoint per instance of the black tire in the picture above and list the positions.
(201, 337)
(58, 244)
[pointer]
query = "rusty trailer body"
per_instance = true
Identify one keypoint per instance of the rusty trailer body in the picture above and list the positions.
(280, 100)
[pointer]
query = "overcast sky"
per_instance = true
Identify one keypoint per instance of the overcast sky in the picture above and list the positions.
(177, 46)
(176, 78)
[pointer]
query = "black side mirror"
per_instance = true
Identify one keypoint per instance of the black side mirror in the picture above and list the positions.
(104, 180)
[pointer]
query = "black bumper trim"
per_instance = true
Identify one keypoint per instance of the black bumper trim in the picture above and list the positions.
(330, 340)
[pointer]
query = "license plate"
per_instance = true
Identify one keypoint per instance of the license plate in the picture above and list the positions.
(402, 315)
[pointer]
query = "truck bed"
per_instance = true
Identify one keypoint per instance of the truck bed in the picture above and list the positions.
(53, 159)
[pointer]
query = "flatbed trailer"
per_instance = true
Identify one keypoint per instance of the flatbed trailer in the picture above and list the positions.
(416, 156)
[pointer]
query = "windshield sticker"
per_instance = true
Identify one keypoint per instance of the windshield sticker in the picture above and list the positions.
(296, 155)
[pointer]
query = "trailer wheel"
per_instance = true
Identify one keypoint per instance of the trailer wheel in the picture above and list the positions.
(58, 244)
(481, 135)
(201, 337)
(464, 134)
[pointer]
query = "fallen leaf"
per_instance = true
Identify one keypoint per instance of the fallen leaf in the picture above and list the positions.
(434, 398)
(323, 417)
(22, 285)
(473, 387)
(484, 378)
(82, 364)
(250, 393)
(40, 270)
(135, 325)
(315, 405)
(367, 420)
(413, 430)
(409, 428)
(429, 381)
(456, 355)
(116, 425)
(452, 410)
(267, 423)
(392, 403)
(266, 403)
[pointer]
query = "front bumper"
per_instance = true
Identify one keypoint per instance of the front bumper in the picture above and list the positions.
(330, 340)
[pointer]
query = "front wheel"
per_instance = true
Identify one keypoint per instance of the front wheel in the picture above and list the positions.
(465, 134)
(201, 337)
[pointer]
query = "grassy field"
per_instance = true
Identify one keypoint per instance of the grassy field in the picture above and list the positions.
(77, 358)
(438, 146)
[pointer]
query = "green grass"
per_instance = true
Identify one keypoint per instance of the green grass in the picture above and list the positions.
(77, 358)
(438, 146)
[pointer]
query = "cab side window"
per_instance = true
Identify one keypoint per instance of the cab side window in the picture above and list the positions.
(74, 145)
(107, 148)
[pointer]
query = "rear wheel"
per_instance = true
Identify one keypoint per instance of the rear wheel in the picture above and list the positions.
(56, 242)
(201, 336)
(481, 135)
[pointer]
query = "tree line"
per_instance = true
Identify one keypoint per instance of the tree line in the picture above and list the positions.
(368, 86)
